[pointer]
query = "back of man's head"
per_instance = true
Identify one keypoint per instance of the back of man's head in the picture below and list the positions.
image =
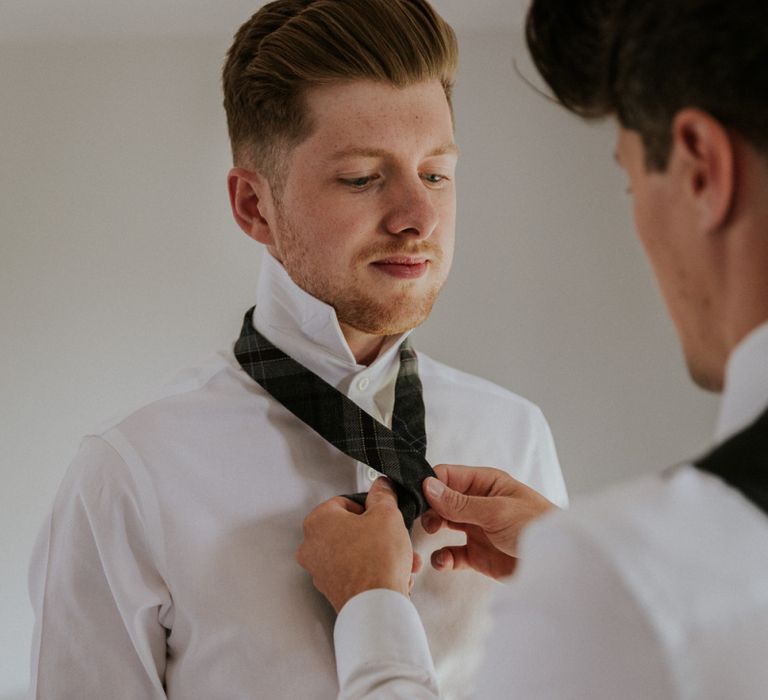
(645, 60)
(290, 46)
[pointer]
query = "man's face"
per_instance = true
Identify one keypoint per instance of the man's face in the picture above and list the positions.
(365, 220)
(665, 220)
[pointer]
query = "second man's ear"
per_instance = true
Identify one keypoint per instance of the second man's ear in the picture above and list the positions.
(250, 197)
(705, 148)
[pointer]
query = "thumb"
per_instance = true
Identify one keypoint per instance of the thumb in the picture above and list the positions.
(455, 506)
(381, 493)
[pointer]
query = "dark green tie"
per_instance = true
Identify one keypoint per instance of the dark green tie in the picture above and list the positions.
(399, 453)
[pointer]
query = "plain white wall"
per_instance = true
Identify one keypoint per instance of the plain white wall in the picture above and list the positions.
(119, 263)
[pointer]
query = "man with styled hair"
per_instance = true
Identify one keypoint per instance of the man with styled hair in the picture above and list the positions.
(167, 569)
(658, 588)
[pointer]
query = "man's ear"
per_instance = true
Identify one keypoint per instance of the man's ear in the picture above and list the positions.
(250, 197)
(703, 154)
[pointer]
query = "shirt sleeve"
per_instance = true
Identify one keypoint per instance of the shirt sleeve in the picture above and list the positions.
(96, 591)
(381, 649)
(543, 472)
(566, 627)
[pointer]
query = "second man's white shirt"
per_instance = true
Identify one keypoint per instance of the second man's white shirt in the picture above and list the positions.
(653, 590)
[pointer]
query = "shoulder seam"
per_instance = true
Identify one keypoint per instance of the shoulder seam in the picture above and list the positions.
(163, 393)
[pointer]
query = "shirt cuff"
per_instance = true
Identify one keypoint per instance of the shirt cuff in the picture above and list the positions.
(379, 628)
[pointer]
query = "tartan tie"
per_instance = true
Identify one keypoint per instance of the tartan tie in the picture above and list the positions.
(399, 453)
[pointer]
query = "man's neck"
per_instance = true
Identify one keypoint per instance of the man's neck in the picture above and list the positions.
(364, 346)
(745, 282)
(745, 291)
(746, 384)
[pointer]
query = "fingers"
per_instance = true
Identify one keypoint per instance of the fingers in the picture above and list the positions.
(381, 494)
(456, 506)
(351, 506)
(476, 481)
(330, 510)
(417, 563)
(458, 558)
(450, 559)
(339, 503)
(431, 522)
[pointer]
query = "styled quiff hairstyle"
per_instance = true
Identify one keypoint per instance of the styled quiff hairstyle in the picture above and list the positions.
(289, 46)
(645, 60)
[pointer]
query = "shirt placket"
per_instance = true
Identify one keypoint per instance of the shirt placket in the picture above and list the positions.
(362, 391)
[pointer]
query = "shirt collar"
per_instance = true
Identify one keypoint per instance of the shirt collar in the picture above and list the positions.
(308, 330)
(746, 384)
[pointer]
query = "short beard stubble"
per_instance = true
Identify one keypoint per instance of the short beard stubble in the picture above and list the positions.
(353, 305)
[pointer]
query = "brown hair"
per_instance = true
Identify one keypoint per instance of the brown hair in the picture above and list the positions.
(289, 46)
(645, 60)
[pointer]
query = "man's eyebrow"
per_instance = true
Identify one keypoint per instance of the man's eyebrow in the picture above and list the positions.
(362, 152)
(445, 149)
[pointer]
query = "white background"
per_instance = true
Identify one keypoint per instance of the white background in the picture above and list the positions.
(119, 261)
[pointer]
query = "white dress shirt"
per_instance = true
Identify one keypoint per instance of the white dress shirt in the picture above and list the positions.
(167, 566)
(653, 590)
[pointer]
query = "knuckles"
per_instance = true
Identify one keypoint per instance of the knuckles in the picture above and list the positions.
(454, 501)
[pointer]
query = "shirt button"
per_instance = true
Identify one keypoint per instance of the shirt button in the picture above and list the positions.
(363, 383)
(372, 474)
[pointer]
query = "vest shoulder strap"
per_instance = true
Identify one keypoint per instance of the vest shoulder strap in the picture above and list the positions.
(742, 462)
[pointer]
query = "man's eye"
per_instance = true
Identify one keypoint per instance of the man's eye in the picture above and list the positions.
(359, 183)
(434, 178)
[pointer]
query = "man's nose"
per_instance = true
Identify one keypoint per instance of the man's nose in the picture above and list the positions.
(412, 210)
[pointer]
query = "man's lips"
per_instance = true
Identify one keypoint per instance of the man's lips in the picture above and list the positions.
(402, 266)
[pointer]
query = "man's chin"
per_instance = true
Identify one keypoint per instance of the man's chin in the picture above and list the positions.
(705, 377)
(385, 326)
(394, 318)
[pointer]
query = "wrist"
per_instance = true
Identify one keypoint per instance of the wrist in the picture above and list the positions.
(357, 588)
